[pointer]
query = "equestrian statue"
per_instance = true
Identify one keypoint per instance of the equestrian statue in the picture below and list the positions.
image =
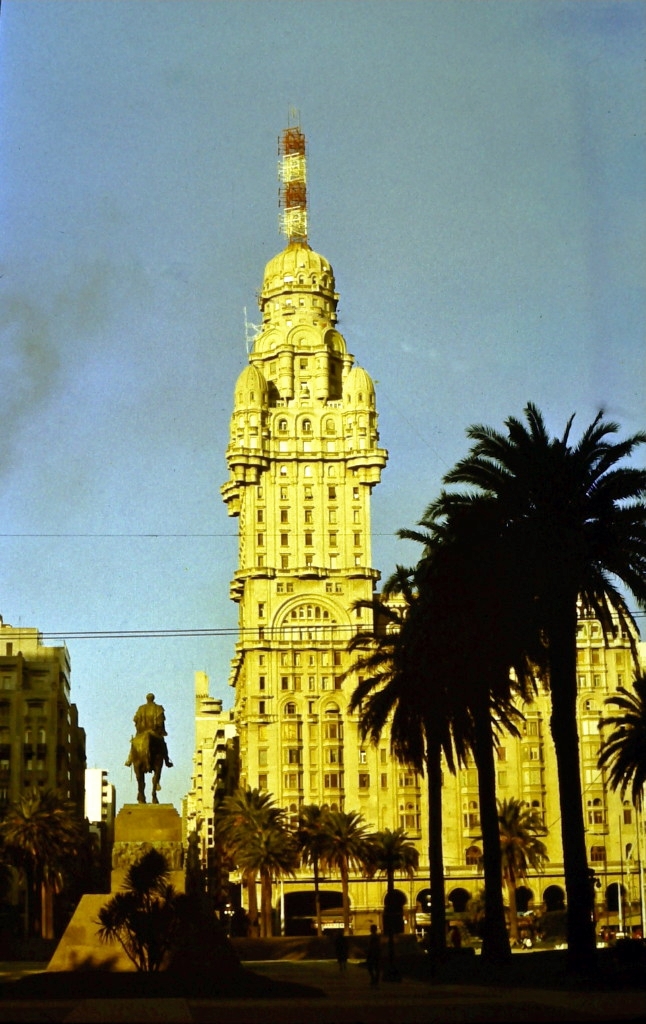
(148, 750)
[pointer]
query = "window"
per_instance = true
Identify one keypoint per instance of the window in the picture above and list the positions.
(331, 493)
(284, 540)
(628, 813)
(384, 780)
(307, 492)
(471, 816)
(333, 539)
(595, 812)
(284, 562)
(332, 780)
(308, 540)
(260, 515)
(261, 682)
(597, 854)
(284, 515)
(261, 609)
(283, 494)
(333, 755)
(260, 540)
(364, 780)
(332, 730)
(282, 426)
(355, 493)
(292, 755)
(502, 753)
(261, 707)
(473, 856)
(290, 709)
(309, 517)
(262, 783)
(363, 757)
(290, 780)
(307, 426)
(262, 757)
(284, 682)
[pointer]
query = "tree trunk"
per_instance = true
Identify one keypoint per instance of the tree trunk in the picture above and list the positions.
(346, 896)
(495, 942)
(253, 906)
(265, 905)
(579, 893)
(317, 898)
(435, 848)
(513, 908)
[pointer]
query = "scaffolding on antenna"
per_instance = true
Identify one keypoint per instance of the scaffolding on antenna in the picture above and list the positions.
(292, 174)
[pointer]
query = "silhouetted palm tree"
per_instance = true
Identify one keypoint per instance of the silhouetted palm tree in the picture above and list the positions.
(143, 917)
(522, 848)
(575, 520)
(310, 840)
(623, 752)
(406, 691)
(256, 834)
(346, 848)
(475, 623)
(393, 852)
(41, 834)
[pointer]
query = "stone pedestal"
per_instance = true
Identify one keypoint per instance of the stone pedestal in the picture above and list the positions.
(138, 828)
(141, 827)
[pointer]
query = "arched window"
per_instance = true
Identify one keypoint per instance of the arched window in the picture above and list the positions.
(282, 426)
(473, 856)
(307, 471)
(290, 708)
(307, 426)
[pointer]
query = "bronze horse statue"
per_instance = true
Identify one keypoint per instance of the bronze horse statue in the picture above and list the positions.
(147, 754)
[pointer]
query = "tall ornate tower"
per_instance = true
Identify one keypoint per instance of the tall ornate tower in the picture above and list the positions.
(303, 458)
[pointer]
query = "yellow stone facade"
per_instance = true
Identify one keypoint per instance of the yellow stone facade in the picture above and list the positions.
(303, 458)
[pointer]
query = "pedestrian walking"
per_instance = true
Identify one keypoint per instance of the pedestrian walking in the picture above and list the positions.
(341, 949)
(373, 959)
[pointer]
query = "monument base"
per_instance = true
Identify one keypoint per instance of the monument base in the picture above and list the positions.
(138, 828)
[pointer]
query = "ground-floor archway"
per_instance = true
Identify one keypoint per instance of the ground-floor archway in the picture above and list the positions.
(300, 909)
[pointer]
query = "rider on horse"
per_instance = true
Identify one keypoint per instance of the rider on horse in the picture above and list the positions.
(151, 718)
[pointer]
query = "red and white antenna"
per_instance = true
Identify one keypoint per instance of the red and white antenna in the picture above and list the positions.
(292, 173)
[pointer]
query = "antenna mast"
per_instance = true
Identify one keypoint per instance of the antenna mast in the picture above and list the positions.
(292, 173)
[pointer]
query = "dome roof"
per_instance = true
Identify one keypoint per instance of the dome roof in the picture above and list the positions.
(297, 266)
(251, 387)
(358, 388)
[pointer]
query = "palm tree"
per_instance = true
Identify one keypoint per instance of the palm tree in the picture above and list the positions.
(483, 637)
(310, 839)
(405, 690)
(574, 518)
(391, 852)
(144, 916)
(268, 853)
(521, 848)
(255, 832)
(346, 848)
(623, 752)
(41, 835)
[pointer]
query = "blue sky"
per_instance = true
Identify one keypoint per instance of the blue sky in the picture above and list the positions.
(476, 178)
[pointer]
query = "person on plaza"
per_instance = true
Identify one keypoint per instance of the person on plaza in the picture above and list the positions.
(341, 949)
(373, 959)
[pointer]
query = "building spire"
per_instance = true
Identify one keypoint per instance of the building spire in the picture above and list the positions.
(292, 173)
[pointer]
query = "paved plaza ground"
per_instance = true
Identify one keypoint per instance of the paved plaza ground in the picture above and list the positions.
(317, 992)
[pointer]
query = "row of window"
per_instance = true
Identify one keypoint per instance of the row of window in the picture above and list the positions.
(308, 515)
(308, 495)
(333, 780)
